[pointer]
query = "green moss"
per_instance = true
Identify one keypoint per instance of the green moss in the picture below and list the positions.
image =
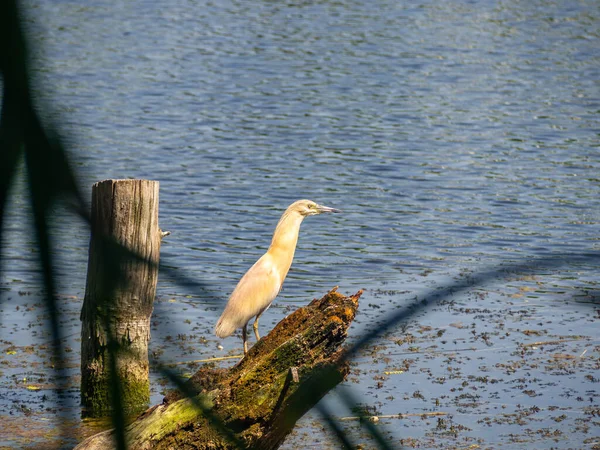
(96, 393)
(167, 420)
(135, 394)
(257, 390)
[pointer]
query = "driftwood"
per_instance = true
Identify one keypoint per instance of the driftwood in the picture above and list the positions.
(259, 399)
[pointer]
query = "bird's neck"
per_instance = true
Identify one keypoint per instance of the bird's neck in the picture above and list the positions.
(285, 239)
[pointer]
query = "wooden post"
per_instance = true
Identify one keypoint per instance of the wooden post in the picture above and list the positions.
(119, 293)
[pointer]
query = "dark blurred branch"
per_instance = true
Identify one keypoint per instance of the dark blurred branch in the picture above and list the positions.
(49, 175)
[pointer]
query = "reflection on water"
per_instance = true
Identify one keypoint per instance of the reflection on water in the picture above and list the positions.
(454, 136)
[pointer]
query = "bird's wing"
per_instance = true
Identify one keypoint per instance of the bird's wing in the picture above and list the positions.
(256, 290)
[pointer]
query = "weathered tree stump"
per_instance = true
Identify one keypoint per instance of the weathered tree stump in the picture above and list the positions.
(259, 399)
(119, 295)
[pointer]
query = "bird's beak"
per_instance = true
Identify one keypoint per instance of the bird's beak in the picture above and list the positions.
(326, 209)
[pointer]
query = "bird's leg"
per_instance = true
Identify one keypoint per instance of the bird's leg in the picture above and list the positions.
(245, 338)
(255, 326)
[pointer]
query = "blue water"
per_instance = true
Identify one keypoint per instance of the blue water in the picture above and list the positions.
(456, 137)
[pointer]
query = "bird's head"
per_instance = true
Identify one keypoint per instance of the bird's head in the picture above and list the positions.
(310, 208)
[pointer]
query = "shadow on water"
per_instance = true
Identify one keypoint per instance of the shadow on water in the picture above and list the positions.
(52, 183)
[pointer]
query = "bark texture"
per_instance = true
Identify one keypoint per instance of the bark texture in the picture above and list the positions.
(260, 398)
(120, 291)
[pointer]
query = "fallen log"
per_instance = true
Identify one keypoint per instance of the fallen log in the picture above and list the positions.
(259, 399)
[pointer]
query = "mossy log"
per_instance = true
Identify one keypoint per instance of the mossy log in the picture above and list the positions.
(259, 399)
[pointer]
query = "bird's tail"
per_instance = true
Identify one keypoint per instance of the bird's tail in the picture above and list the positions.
(224, 328)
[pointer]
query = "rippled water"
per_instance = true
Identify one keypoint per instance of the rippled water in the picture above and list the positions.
(455, 136)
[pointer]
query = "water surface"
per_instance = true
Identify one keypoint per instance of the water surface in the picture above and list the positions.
(457, 137)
